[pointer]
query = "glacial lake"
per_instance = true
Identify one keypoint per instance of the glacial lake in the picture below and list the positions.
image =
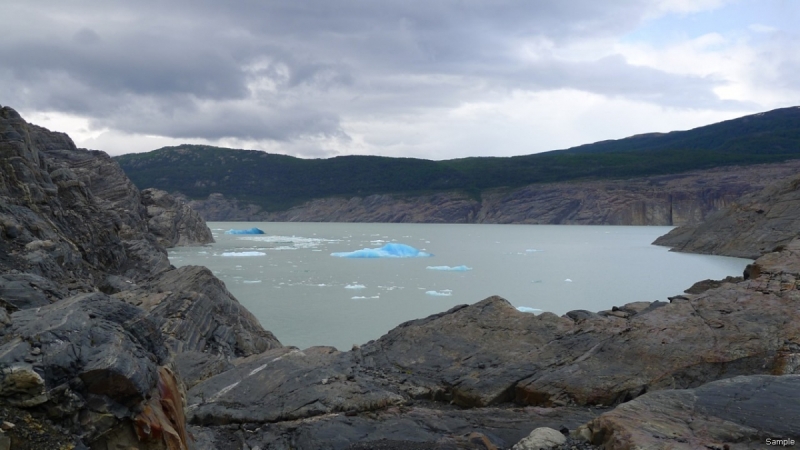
(289, 280)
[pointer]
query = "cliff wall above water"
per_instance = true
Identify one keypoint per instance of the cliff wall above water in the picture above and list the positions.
(658, 200)
(747, 228)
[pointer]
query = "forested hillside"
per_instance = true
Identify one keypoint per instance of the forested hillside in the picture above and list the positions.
(277, 182)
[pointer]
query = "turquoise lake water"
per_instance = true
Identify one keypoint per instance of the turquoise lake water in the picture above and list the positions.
(289, 280)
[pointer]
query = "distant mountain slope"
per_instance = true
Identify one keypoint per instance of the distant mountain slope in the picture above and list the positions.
(277, 182)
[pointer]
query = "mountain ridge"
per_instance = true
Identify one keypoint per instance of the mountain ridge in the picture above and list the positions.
(279, 182)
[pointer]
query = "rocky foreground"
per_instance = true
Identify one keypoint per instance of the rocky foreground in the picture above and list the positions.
(104, 345)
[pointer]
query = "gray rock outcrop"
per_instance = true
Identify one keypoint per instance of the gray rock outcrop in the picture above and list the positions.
(173, 222)
(99, 370)
(744, 412)
(754, 225)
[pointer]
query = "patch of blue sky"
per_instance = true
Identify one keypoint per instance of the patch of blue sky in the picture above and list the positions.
(734, 19)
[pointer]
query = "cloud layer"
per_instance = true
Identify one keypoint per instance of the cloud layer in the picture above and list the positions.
(435, 78)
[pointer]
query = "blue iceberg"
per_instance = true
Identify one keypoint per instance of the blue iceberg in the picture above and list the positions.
(528, 309)
(387, 251)
(450, 269)
(253, 230)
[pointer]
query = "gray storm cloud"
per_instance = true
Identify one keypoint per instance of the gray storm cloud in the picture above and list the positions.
(280, 70)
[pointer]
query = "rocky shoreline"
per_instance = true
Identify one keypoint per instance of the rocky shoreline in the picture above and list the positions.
(105, 345)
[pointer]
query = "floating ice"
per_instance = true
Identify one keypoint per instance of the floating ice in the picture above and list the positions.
(528, 309)
(442, 293)
(243, 254)
(532, 250)
(251, 281)
(253, 230)
(568, 280)
(450, 269)
(355, 286)
(289, 242)
(387, 251)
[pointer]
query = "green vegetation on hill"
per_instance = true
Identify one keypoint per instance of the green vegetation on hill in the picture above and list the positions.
(277, 182)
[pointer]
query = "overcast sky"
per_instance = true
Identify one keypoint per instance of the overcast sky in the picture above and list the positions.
(435, 79)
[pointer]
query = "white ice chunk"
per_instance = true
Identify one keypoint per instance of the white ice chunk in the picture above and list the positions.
(450, 269)
(442, 293)
(355, 286)
(528, 309)
(243, 254)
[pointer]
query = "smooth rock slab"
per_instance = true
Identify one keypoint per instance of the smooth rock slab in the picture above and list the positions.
(740, 412)
(286, 384)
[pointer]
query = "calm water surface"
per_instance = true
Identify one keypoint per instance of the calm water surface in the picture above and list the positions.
(289, 280)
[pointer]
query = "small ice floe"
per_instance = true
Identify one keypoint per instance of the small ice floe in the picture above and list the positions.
(528, 309)
(450, 269)
(253, 230)
(237, 254)
(355, 286)
(568, 280)
(387, 251)
(251, 281)
(442, 293)
(532, 250)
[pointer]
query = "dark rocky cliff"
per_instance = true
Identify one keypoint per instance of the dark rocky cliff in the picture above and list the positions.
(659, 200)
(104, 345)
(88, 367)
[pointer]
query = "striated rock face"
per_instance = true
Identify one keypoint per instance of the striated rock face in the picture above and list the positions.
(754, 225)
(203, 322)
(97, 369)
(173, 222)
(659, 200)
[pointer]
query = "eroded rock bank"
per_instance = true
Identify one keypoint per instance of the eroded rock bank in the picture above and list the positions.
(753, 225)
(658, 200)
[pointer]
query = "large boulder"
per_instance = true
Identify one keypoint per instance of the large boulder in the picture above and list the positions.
(90, 363)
